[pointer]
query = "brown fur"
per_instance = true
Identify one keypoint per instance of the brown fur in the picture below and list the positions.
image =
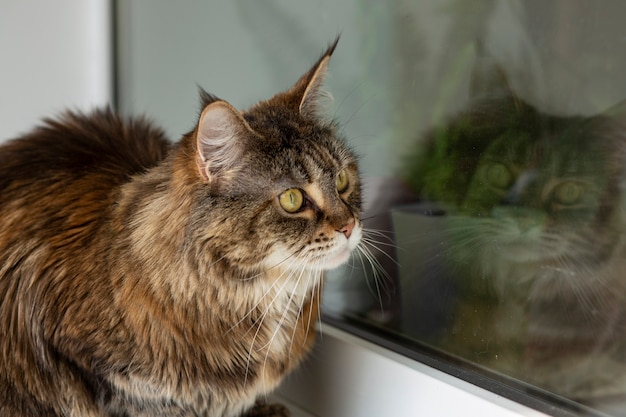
(140, 277)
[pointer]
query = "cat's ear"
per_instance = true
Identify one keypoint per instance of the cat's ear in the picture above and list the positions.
(489, 79)
(220, 135)
(307, 91)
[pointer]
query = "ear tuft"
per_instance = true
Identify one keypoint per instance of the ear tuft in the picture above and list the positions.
(308, 89)
(206, 98)
(220, 137)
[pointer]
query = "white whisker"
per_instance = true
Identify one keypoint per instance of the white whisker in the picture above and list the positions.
(372, 244)
(278, 264)
(361, 254)
(253, 308)
(377, 269)
(319, 310)
(259, 323)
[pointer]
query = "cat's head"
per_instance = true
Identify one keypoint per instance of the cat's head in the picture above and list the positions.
(545, 192)
(277, 185)
(525, 190)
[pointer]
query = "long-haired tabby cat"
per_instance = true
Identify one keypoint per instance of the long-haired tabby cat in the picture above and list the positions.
(144, 278)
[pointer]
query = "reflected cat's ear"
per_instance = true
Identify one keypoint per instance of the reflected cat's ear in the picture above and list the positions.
(307, 92)
(488, 77)
(220, 135)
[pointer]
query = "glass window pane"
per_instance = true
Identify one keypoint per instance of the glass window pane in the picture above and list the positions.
(497, 234)
(492, 141)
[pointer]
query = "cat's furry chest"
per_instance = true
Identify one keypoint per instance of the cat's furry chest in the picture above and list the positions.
(219, 367)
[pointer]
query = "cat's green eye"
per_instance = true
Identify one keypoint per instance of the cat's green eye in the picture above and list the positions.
(291, 200)
(342, 181)
(568, 193)
(498, 175)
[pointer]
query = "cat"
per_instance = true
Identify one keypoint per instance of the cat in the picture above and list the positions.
(534, 217)
(141, 277)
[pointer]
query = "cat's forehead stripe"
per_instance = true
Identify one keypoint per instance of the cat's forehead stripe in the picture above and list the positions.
(316, 194)
(323, 153)
(324, 158)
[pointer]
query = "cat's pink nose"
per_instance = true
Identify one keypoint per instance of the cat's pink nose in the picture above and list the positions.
(347, 229)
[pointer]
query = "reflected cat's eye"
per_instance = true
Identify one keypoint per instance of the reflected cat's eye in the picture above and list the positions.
(568, 193)
(499, 175)
(291, 200)
(342, 181)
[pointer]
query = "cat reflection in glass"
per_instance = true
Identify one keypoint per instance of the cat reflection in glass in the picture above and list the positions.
(534, 240)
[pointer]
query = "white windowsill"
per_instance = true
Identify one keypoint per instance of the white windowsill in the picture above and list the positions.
(348, 376)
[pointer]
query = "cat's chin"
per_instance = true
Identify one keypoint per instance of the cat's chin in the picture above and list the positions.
(320, 263)
(335, 259)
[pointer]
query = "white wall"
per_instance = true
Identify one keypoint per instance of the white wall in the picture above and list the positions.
(244, 51)
(53, 55)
